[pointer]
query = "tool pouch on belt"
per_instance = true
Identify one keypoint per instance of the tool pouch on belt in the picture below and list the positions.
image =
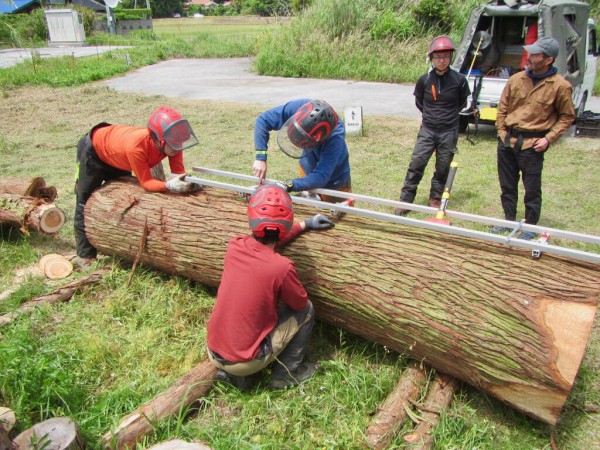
(85, 143)
(520, 135)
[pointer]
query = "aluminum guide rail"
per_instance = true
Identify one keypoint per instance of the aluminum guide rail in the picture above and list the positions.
(499, 239)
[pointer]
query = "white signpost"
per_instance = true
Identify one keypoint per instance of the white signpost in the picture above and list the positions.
(353, 120)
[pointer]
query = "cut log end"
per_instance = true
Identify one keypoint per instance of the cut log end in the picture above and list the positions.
(52, 220)
(58, 433)
(55, 266)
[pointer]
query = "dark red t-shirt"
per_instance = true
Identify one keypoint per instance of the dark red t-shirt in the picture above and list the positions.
(255, 278)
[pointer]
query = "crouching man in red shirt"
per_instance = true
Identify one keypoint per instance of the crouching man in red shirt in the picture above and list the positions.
(262, 315)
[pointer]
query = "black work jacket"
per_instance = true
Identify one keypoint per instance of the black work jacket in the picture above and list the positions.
(440, 98)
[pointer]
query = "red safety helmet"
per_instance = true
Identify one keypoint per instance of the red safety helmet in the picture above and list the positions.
(312, 124)
(270, 208)
(441, 44)
(170, 128)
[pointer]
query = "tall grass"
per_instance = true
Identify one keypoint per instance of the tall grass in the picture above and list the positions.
(367, 40)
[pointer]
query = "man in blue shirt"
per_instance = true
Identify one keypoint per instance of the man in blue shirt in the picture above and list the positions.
(308, 130)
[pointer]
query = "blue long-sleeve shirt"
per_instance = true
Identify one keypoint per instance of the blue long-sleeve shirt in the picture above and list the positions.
(326, 166)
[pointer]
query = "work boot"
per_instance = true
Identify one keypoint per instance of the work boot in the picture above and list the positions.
(434, 202)
(242, 383)
(401, 211)
(499, 230)
(527, 235)
(304, 371)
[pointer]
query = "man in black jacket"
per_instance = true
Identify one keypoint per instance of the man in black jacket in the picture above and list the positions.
(440, 95)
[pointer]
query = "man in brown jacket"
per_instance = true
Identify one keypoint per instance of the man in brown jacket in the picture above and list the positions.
(535, 110)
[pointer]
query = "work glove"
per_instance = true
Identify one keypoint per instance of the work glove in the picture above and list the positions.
(178, 184)
(318, 222)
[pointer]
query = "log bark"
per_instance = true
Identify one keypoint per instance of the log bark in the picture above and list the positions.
(58, 433)
(62, 294)
(391, 414)
(28, 187)
(486, 314)
(29, 213)
(175, 400)
(439, 396)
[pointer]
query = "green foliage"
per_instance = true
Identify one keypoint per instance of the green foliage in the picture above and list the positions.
(88, 16)
(132, 14)
(400, 26)
(166, 8)
(23, 30)
(434, 14)
(266, 7)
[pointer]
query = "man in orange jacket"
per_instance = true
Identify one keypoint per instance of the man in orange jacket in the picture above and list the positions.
(112, 151)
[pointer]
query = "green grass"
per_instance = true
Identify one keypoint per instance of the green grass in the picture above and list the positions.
(113, 347)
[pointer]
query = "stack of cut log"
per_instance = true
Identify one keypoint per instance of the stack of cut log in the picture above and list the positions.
(28, 204)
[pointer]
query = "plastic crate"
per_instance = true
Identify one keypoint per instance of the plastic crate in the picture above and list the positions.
(588, 126)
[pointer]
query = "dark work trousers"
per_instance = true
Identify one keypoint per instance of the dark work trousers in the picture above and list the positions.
(92, 173)
(428, 141)
(529, 164)
(293, 354)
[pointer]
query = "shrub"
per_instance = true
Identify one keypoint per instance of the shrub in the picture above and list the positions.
(393, 25)
(434, 14)
(22, 30)
(132, 14)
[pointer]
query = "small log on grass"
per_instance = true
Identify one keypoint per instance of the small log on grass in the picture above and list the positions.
(391, 414)
(176, 400)
(487, 314)
(29, 213)
(58, 433)
(439, 396)
(63, 293)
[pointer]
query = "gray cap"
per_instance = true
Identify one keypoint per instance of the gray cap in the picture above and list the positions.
(546, 45)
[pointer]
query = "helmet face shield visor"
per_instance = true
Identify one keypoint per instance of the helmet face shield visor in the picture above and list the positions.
(179, 135)
(294, 141)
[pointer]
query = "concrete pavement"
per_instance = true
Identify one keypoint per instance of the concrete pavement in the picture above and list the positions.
(11, 56)
(231, 79)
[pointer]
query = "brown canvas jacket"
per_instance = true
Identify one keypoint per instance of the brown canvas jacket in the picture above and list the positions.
(545, 106)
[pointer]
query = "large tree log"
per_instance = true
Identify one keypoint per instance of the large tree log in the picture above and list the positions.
(175, 400)
(392, 412)
(29, 213)
(489, 315)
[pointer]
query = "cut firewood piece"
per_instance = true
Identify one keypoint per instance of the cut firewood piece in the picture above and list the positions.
(61, 294)
(26, 187)
(178, 444)
(50, 218)
(517, 338)
(58, 433)
(439, 397)
(7, 418)
(175, 400)
(56, 266)
(29, 213)
(392, 412)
